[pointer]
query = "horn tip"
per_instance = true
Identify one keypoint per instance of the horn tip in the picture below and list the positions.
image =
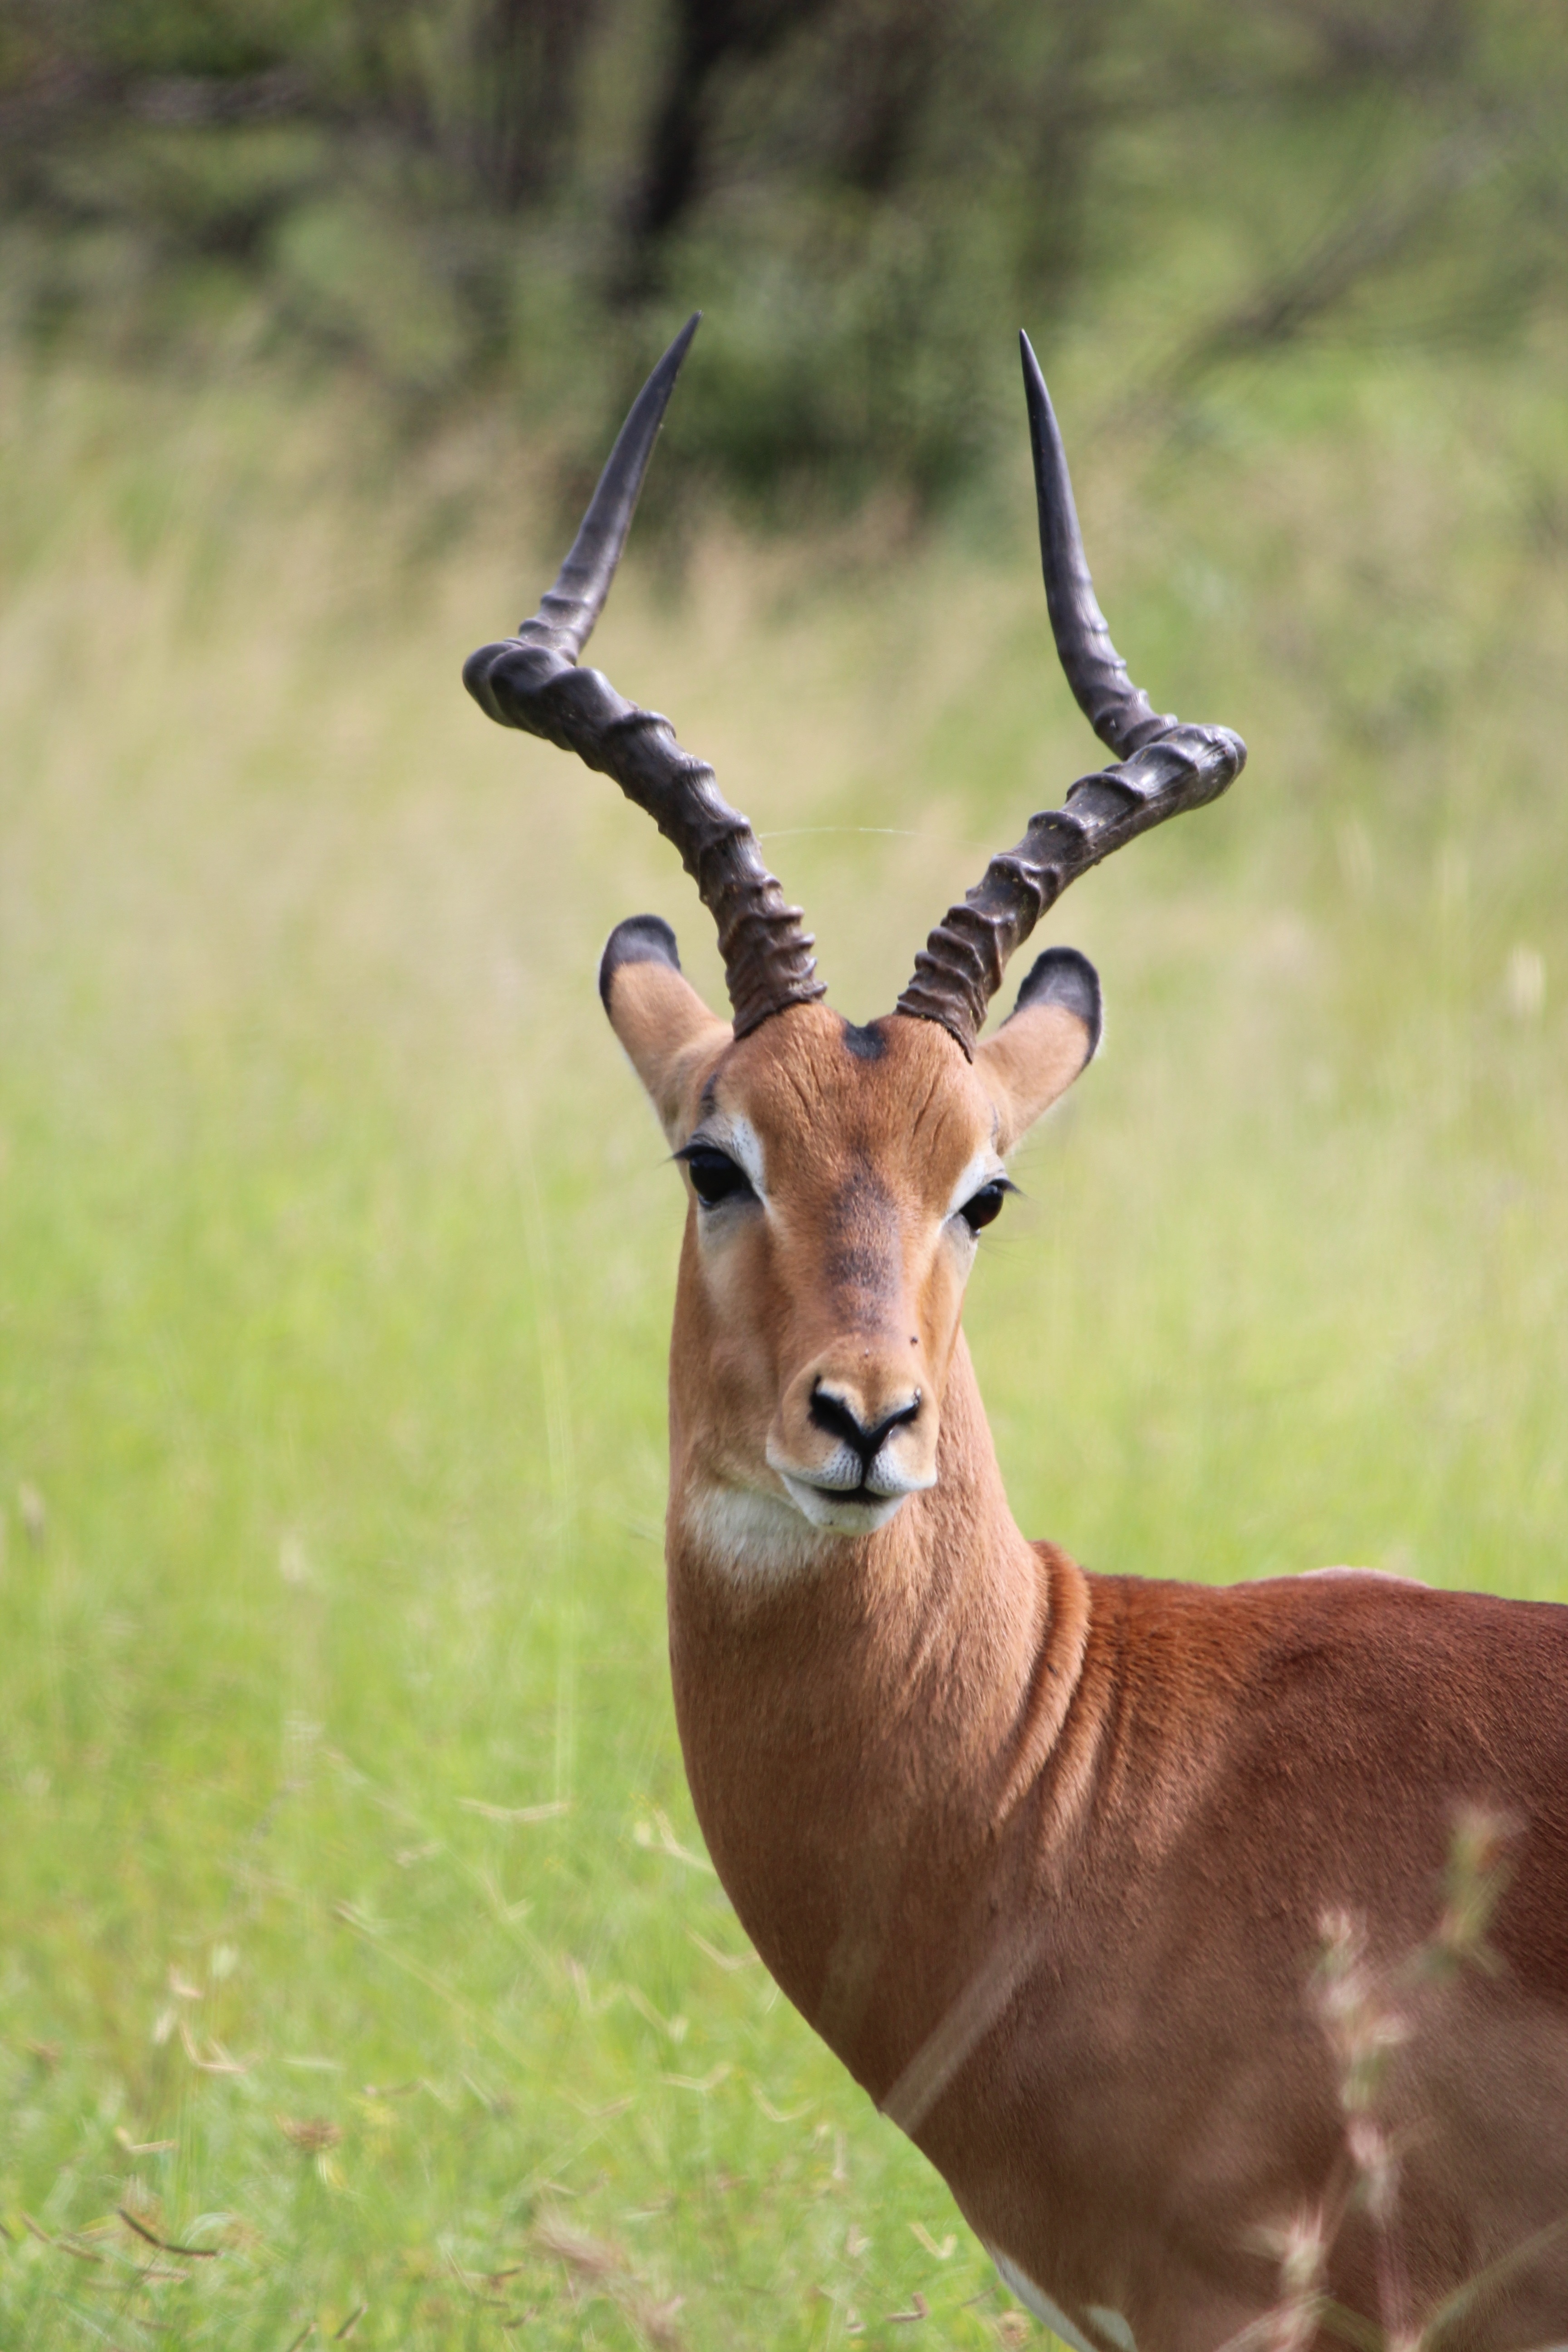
(1037, 397)
(682, 344)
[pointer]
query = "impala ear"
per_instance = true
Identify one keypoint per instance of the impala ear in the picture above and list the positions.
(669, 1035)
(1048, 1037)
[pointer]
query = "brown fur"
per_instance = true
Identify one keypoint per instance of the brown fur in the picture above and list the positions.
(1046, 1857)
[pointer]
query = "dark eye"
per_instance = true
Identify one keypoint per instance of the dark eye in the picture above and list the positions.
(715, 1175)
(982, 1206)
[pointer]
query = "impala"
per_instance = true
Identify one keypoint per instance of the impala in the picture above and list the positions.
(1045, 1856)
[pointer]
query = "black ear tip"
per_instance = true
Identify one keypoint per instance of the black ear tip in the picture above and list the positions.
(1062, 976)
(641, 938)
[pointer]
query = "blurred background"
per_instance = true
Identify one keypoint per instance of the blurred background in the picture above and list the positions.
(361, 1972)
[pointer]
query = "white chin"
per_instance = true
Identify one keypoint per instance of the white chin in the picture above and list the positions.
(835, 1512)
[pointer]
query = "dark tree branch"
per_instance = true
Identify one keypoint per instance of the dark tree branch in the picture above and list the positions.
(1347, 252)
(709, 36)
(523, 116)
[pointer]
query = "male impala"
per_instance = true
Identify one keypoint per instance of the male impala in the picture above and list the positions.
(1045, 1856)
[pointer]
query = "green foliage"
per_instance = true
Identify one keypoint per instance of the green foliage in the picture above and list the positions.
(863, 193)
(212, 38)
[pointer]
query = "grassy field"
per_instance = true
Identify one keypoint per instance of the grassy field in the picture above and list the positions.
(355, 1931)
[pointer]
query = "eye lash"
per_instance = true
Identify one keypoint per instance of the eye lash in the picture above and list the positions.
(984, 1206)
(994, 1185)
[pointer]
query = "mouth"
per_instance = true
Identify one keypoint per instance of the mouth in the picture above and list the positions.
(843, 1510)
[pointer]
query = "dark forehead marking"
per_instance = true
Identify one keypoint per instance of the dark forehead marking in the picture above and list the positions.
(866, 1045)
(708, 1102)
(860, 1201)
(861, 1225)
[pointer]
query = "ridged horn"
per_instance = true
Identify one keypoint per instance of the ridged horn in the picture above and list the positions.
(532, 681)
(1163, 769)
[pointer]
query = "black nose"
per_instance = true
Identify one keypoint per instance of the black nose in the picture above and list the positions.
(831, 1414)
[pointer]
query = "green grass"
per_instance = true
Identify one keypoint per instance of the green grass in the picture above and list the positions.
(352, 1920)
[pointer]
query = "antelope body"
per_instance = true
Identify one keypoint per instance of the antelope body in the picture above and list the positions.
(1046, 1857)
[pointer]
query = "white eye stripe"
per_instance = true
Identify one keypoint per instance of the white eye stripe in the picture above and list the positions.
(746, 1146)
(984, 1169)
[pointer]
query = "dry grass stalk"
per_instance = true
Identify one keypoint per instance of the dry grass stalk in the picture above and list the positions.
(166, 2245)
(1362, 2010)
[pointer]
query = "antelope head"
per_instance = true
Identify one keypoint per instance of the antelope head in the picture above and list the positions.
(837, 1176)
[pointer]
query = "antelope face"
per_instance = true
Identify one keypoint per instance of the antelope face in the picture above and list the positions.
(838, 1176)
(838, 1179)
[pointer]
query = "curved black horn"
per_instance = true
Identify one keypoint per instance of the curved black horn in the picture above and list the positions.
(1119, 712)
(1164, 767)
(570, 609)
(532, 681)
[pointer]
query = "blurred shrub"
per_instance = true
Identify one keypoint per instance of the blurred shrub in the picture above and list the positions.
(863, 193)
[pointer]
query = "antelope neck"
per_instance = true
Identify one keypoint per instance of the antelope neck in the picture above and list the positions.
(862, 1736)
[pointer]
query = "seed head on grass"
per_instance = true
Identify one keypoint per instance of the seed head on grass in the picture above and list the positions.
(1354, 2000)
(1363, 2027)
(33, 1512)
(1301, 2247)
(657, 2320)
(1478, 1875)
(586, 2257)
(599, 2266)
(310, 2134)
